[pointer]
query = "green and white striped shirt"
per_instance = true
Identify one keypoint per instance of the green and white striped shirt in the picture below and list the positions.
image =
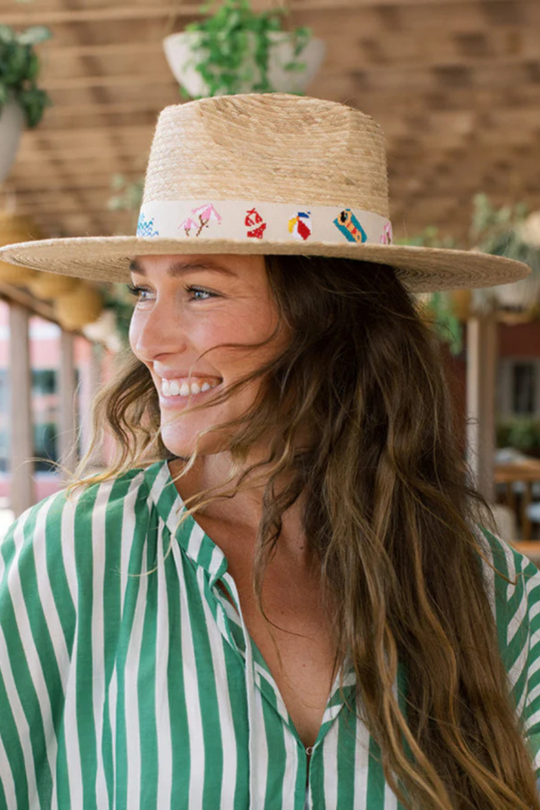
(125, 691)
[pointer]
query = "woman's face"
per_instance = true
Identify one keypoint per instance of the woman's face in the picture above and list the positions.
(186, 305)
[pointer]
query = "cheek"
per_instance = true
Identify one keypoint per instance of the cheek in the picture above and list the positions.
(133, 331)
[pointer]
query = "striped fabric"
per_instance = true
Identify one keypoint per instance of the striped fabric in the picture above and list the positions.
(126, 689)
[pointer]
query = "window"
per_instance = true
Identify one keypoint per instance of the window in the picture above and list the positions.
(524, 385)
(45, 447)
(43, 381)
(518, 393)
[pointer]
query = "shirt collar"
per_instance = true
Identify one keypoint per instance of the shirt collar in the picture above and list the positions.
(191, 537)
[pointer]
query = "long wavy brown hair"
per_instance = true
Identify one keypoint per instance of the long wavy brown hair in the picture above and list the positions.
(389, 513)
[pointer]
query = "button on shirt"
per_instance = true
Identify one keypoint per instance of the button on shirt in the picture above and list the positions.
(129, 680)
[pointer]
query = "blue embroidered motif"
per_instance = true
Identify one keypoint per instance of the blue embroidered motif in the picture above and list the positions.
(145, 227)
(350, 227)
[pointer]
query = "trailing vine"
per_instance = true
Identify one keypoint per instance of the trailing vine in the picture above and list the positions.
(19, 70)
(231, 39)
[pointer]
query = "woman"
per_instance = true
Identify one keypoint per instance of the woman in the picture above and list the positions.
(280, 594)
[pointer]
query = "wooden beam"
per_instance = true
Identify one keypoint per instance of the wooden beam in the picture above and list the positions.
(22, 424)
(53, 17)
(21, 296)
(493, 74)
(111, 80)
(108, 14)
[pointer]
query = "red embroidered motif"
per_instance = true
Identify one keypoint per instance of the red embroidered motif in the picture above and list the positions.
(254, 218)
(258, 232)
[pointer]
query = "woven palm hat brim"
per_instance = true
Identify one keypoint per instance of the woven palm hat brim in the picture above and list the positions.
(266, 174)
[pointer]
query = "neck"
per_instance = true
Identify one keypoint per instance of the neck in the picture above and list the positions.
(242, 512)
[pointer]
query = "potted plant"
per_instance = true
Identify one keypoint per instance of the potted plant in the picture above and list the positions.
(236, 50)
(503, 232)
(22, 103)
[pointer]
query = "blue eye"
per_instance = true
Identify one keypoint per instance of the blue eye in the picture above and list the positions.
(136, 291)
(199, 290)
(196, 292)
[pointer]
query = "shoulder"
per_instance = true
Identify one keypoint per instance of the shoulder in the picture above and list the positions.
(81, 516)
(508, 573)
(513, 586)
(515, 590)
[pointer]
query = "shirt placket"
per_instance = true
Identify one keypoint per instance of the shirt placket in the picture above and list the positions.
(230, 622)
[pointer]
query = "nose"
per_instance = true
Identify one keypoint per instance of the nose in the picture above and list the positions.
(157, 331)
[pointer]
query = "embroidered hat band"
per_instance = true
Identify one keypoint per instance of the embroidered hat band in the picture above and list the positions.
(242, 219)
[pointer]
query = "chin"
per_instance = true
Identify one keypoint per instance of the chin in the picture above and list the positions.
(184, 446)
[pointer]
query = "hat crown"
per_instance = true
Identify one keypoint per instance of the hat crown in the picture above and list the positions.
(271, 147)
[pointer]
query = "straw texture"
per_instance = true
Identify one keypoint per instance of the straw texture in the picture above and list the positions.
(276, 148)
(272, 147)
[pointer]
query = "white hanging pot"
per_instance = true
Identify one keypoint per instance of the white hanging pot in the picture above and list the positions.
(183, 54)
(12, 122)
(518, 302)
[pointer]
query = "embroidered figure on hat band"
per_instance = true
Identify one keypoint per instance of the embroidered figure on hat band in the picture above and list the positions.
(349, 225)
(254, 218)
(300, 225)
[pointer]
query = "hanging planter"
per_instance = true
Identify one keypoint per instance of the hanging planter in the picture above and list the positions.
(51, 285)
(239, 51)
(79, 307)
(507, 232)
(12, 123)
(519, 302)
(22, 103)
(16, 228)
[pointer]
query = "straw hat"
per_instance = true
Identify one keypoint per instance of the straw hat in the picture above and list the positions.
(266, 174)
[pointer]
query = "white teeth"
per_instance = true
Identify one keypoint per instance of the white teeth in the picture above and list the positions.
(172, 388)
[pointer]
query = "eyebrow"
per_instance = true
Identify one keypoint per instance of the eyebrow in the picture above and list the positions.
(179, 268)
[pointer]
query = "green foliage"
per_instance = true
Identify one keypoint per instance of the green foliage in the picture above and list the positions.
(498, 231)
(445, 322)
(19, 69)
(128, 196)
(117, 298)
(223, 49)
(523, 433)
(439, 305)
(493, 230)
(429, 237)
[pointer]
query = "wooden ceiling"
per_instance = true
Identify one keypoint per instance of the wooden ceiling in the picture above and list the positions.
(455, 85)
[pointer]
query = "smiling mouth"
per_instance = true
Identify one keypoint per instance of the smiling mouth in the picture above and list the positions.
(182, 389)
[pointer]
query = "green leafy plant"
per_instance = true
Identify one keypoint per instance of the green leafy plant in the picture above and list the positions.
(120, 301)
(439, 305)
(498, 231)
(523, 433)
(445, 322)
(128, 193)
(225, 45)
(19, 70)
